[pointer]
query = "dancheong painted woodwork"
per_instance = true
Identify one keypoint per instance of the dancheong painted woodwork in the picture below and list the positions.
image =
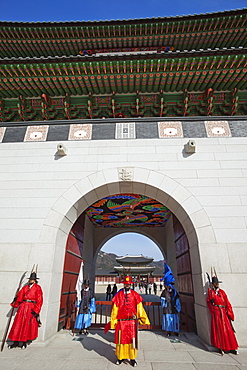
(191, 65)
(128, 210)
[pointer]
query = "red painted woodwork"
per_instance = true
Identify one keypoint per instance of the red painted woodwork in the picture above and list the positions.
(184, 277)
(72, 264)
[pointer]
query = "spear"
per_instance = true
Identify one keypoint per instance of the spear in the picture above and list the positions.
(215, 317)
(11, 313)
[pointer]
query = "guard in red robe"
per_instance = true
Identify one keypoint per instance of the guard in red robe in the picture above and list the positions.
(29, 301)
(222, 332)
(127, 311)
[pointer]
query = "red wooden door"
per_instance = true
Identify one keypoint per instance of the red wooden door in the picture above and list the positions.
(184, 275)
(72, 264)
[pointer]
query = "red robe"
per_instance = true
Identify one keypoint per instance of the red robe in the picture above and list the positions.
(222, 334)
(127, 310)
(25, 326)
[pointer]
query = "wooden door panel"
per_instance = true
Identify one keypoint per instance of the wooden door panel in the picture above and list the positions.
(184, 277)
(72, 264)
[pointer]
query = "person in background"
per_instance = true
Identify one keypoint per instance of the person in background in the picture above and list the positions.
(114, 290)
(86, 308)
(155, 288)
(222, 332)
(170, 303)
(127, 311)
(108, 292)
(149, 288)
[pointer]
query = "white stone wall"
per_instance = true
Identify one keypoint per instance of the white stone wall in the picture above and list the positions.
(41, 196)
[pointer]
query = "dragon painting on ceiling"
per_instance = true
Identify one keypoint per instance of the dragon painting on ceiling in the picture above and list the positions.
(128, 210)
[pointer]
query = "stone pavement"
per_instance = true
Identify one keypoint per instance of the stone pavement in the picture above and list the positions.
(96, 351)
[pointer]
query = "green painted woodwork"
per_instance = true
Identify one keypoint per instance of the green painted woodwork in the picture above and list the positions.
(149, 105)
(117, 81)
(216, 30)
(78, 77)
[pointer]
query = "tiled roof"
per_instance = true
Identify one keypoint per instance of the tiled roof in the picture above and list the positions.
(134, 259)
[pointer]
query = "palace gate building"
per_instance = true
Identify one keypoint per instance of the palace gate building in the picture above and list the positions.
(114, 126)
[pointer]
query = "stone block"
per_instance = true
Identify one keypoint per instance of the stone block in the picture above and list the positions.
(178, 175)
(191, 205)
(216, 211)
(111, 175)
(203, 317)
(113, 188)
(102, 191)
(151, 191)
(47, 235)
(195, 259)
(233, 235)
(215, 255)
(200, 219)
(219, 173)
(20, 236)
(84, 186)
(228, 222)
(72, 194)
(237, 257)
(54, 218)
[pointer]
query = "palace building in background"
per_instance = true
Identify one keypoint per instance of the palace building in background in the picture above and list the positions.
(124, 125)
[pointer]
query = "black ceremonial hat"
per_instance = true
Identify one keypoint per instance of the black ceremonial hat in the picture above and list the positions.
(215, 280)
(33, 275)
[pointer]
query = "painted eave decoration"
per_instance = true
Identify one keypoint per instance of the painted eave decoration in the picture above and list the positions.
(128, 210)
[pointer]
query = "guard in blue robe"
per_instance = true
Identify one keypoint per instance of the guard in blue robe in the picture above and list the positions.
(86, 307)
(170, 303)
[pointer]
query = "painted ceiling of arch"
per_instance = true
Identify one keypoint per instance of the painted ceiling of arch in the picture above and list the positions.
(128, 210)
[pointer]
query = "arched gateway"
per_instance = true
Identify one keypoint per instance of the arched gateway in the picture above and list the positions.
(189, 221)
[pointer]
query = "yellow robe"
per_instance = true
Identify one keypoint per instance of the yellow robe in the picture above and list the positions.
(126, 351)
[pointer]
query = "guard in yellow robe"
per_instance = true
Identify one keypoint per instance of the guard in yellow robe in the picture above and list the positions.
(127, 311)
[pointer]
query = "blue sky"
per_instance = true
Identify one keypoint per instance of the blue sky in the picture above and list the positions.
(133, 244)
(54, 10)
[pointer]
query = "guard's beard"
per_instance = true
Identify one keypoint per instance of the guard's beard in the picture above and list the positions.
(126, 289)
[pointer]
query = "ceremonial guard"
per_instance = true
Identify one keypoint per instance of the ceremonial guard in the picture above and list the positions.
(86, 307)
(170, 303)
(127, 311)
(29, 301)
(222, 331)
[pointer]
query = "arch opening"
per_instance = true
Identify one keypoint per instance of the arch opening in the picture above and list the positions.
(94, 227)
(70, 207)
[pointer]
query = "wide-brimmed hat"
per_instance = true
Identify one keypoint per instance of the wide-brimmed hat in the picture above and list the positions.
(127, 280)
(214, 276)
(33, 275)
(215, 280)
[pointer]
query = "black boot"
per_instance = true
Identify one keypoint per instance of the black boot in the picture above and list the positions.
(133, 363)
(24, 345)
(13, 345)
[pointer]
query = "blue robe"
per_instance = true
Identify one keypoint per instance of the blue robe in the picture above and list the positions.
(86, 308)
(171, 307)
